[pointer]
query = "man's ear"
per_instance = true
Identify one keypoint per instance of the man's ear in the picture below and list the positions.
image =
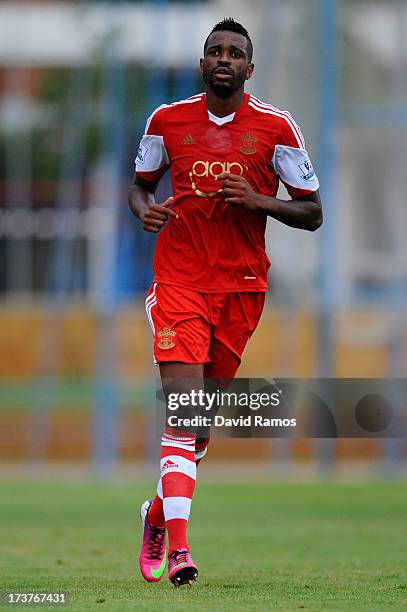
(249, 71)
(201, 61)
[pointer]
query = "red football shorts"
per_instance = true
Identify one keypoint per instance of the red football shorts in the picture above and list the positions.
(210, 328)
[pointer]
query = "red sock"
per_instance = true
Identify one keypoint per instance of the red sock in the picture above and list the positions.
(177, 534)
(178, 474)
(156, 513)
(201, 447)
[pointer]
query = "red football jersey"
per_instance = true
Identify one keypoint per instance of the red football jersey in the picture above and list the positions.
(214, 246)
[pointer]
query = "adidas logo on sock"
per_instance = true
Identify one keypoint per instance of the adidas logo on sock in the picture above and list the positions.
(188, 140)
(169, 464)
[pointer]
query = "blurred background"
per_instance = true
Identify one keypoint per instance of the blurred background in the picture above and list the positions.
(77, 81)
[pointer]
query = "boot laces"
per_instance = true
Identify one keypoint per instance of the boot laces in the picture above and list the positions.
(179, 556)
(156, 541)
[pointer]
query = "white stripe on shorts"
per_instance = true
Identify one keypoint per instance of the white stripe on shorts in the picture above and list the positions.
(151, 301)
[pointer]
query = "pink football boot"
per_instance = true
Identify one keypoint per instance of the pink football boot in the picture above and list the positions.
(181, 568)
(153, 555)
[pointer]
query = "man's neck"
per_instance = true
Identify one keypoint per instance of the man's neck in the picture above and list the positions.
(222, 107)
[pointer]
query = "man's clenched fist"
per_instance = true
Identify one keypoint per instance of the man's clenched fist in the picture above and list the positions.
(157, 215)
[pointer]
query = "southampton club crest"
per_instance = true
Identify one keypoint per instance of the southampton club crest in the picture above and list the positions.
(307, 171)
(248, 144)
(166, 336)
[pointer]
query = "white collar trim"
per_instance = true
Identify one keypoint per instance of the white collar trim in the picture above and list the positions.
(221, 120)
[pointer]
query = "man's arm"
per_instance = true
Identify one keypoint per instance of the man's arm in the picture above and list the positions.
(303, 212)
(142, 203)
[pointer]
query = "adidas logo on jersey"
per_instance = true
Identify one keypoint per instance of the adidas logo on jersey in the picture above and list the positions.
(188, 140)
(169, 464)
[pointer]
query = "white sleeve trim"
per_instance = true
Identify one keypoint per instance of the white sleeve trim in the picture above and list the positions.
(152, 115)
(293, 167)
(152, 154)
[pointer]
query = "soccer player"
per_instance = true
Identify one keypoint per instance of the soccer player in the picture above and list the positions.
(227, 151)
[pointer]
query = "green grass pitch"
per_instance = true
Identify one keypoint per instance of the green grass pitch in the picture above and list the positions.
(273, 546)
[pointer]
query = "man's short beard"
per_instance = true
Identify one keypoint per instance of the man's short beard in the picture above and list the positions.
(221, 90)
(224, 90)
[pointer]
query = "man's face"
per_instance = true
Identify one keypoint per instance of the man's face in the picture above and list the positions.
(226, 65)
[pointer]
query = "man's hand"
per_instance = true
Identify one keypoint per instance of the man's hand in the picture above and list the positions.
(157, 215)
(303, 212)
(236, 190)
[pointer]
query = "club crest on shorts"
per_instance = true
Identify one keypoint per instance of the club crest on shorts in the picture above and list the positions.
(166, 335)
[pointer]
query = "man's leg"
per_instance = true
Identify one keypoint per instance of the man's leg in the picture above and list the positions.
(180, 323)
(156, 511)
(172, 505)
(172, 371)
(235, 318)
(178, 469)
